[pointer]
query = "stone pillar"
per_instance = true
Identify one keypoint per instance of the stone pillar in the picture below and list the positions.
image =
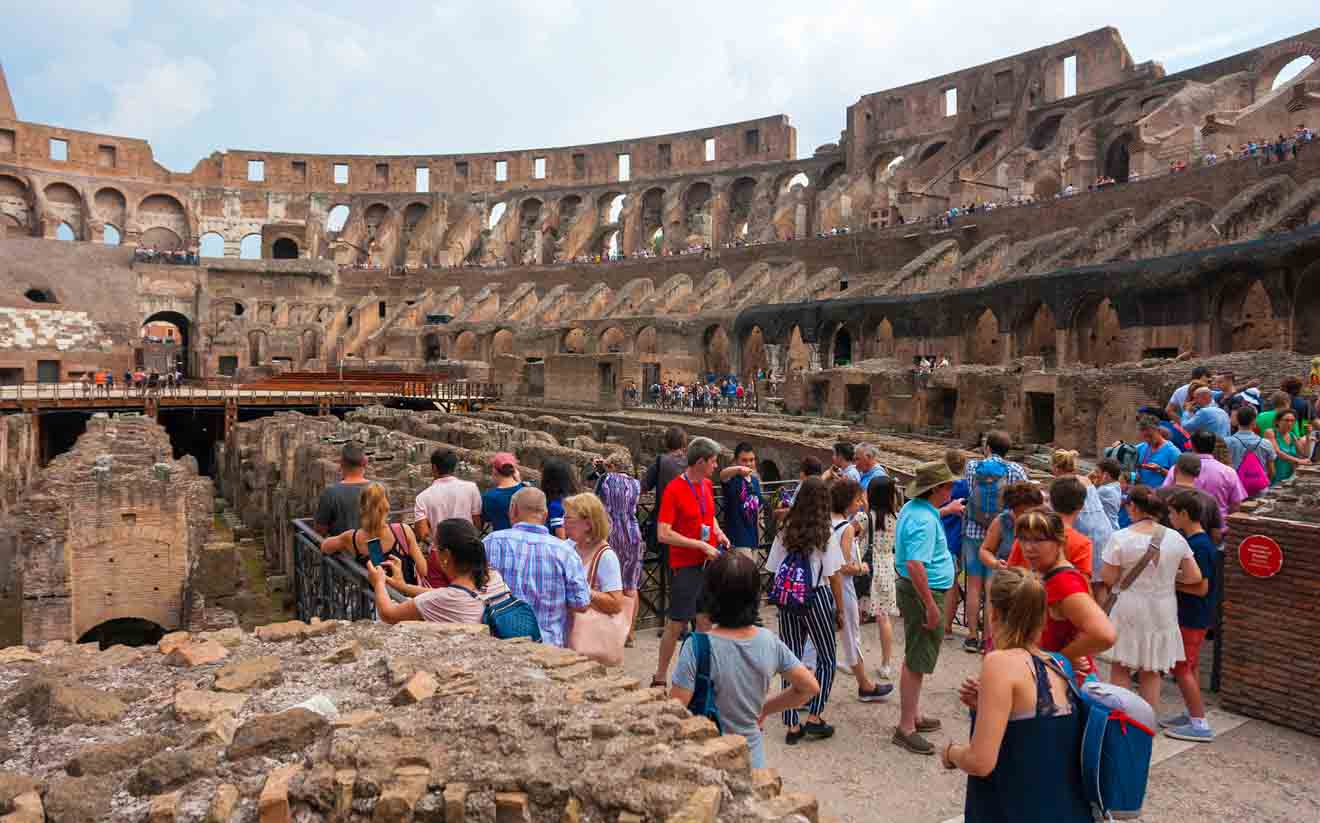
(1006, 356)
(1062, 356)
(773, 352)
(813, 357)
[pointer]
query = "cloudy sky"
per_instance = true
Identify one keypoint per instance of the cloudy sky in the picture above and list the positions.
(438, 77)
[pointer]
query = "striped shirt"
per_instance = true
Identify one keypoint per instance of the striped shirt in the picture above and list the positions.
(1013, 473)
(542, 570)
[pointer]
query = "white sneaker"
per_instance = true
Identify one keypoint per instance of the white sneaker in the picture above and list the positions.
(885, 673)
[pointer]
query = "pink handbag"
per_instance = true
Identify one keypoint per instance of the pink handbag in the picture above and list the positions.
(598, 635)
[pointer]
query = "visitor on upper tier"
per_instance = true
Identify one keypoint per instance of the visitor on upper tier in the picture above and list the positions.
(743, 658)
(688, 526)
(1155, 455)
(337, 509)
(538, 567)
(462, 559)
(505, 483)
(1021, 760)
(1203, 415)
(1178, 401)
(447, 496)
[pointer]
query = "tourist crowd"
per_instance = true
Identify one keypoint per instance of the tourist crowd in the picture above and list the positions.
(173, 257)
(713, 395)
(101, 382)
(1119, 561)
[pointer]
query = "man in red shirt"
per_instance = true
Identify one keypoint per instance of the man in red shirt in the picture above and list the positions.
(687, 525)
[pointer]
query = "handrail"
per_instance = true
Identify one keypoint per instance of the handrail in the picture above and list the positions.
(329, 586)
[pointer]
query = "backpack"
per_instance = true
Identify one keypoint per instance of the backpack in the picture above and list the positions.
(1127, 456)
(1251, 471)
(793, 589)
(702, 702)
(507, 617)
(987, 484)
(1116, 745)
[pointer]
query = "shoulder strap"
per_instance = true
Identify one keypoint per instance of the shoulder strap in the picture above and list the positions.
(464, 589)
(1152, 552)
(594, 564)
(400, 540)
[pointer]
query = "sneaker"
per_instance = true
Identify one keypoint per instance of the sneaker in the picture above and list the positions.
(819, 730)
(1173, 721)
(1190, 732)
(885, 673)
(842, 669)
(878, 692)
(972, 645)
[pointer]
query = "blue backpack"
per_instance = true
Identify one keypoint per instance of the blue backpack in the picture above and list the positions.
(988, 480)
(507, 616)
(794, 589)
(702, 702)
(1116, 747)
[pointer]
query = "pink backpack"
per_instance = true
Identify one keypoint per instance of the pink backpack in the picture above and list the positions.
(1251, 471)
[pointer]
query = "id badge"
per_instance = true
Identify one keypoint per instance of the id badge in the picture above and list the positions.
(705, 533)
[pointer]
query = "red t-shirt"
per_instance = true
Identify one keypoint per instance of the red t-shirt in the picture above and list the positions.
(685, 513)
(1058, 631)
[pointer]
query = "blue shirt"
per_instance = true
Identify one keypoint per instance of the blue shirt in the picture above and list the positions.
(554, 518)
(1207, 418)
(1165, 456)
(742, 510)
(1111, 498)
(495, 506)
(544, 571)
(919, 536)
(953, 523)
(875, 471)
(1199, 612)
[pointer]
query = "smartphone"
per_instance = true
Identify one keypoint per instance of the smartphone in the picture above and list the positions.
(375, 552)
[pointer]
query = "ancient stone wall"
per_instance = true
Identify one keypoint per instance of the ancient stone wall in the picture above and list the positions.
(110, 529)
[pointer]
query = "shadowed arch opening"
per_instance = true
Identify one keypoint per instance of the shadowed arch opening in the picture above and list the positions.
(1097, 336)
(124, 631)
(1045, 132)
(983, 344)
(1306, 314)
(842, 348)
(696, 212)
(284, 249)
(466, 347)
(501, 343)
(164, 239)
(799, 353)
(171, 352)
(931, 150)
(755, 357)
(646, 345)
(574, 341)
(1246, 319)
(1118, 159)
(1035, 334)
(613, 340)
(715, 351)
(985, 140)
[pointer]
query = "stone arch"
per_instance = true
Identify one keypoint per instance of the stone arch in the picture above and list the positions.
(755, 356)
(1306, 313)
(1045, 132)
(258, 347)
(832, 173)
(574, 341)
(110, 206)
(931, 149)
(111, 235)
(1152, 102)
(612, 341)
(609, 207)
(374, 218)
(653, 214)
(466, 346)
(986, 139)
(1246, 319)
(284, 248)
(742, 197)
(697, 212)
(790, 180)
(336, 218)
(715, 351)
(184, 324)
(884, 338)
(211, 245)
(159, 237)
(1112, 106)
(501, 342)
(883, 163)
(163, 211)
(309, 347)
(570, 206)
(66, 232)
(646, 342)
(529, 230)
(1272, 68)
(983, 343)
(1034, 334)
(1097, 337)
(65, 204)
(249, 248)
(841, 347)
(15, 206)
(1118, 158)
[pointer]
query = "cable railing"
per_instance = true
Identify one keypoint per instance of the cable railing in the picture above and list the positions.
(206, 393)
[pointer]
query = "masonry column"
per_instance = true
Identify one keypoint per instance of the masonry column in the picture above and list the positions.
(773, 352)
(1062, 355)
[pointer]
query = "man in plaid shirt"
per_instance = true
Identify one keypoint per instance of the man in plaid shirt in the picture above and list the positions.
(538, 567)
(997, 444)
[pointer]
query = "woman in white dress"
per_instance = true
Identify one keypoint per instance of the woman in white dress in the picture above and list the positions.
(883, 503)
(1146, 613)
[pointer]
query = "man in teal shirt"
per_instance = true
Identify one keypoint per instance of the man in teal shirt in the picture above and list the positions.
(925, 574)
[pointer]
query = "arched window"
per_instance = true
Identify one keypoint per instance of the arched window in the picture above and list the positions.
(65, 232)
(110, 236)
(496, 214)
(284, 249)
(1291, 70)
(250, 248)
(337, 218)
(212, 245)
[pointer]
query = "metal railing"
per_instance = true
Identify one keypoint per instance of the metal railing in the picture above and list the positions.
(220, 393)
(329, 586)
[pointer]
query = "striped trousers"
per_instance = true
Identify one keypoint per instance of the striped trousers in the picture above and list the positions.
(818, 625)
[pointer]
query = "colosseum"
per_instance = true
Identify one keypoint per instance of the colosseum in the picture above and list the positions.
(1041, 245)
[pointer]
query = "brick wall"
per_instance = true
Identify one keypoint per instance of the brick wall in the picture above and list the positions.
(1270, 625)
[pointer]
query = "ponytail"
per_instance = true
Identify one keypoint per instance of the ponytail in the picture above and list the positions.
(459, 537)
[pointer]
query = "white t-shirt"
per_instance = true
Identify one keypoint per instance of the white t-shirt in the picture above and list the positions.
(446, 498)
(823, 564)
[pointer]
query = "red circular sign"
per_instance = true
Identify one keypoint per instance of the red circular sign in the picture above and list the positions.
(1260, 556)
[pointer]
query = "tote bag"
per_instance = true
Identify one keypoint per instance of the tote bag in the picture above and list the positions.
(598, 635)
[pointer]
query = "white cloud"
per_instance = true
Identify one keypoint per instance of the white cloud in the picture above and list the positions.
(166, 97)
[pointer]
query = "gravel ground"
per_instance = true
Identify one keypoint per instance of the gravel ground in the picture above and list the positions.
(860, 776)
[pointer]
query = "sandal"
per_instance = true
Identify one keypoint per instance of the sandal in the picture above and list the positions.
(914, 742)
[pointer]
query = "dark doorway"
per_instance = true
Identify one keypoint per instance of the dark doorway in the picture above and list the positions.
(607, 386)
(48, 371)
(165, 336)
(842, 348)
(941, 406)
(284, 249)
(124, 631)
(650, 377)
(1040, 417)
(228, 365)
(858, 398)
(59, 431)
(536, 379)
(194, 432)
(1117, 161)
(11, 377)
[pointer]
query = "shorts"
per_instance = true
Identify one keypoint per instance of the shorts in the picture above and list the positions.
(921, 646)
(1192, 640)
(971, 552)
(685, 589)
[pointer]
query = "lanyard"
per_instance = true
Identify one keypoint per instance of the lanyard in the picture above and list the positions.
(701, 500)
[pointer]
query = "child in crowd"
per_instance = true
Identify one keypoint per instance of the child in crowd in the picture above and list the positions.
(846, 500)
(882, 505)
(1108, 486)
(1196, 613)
